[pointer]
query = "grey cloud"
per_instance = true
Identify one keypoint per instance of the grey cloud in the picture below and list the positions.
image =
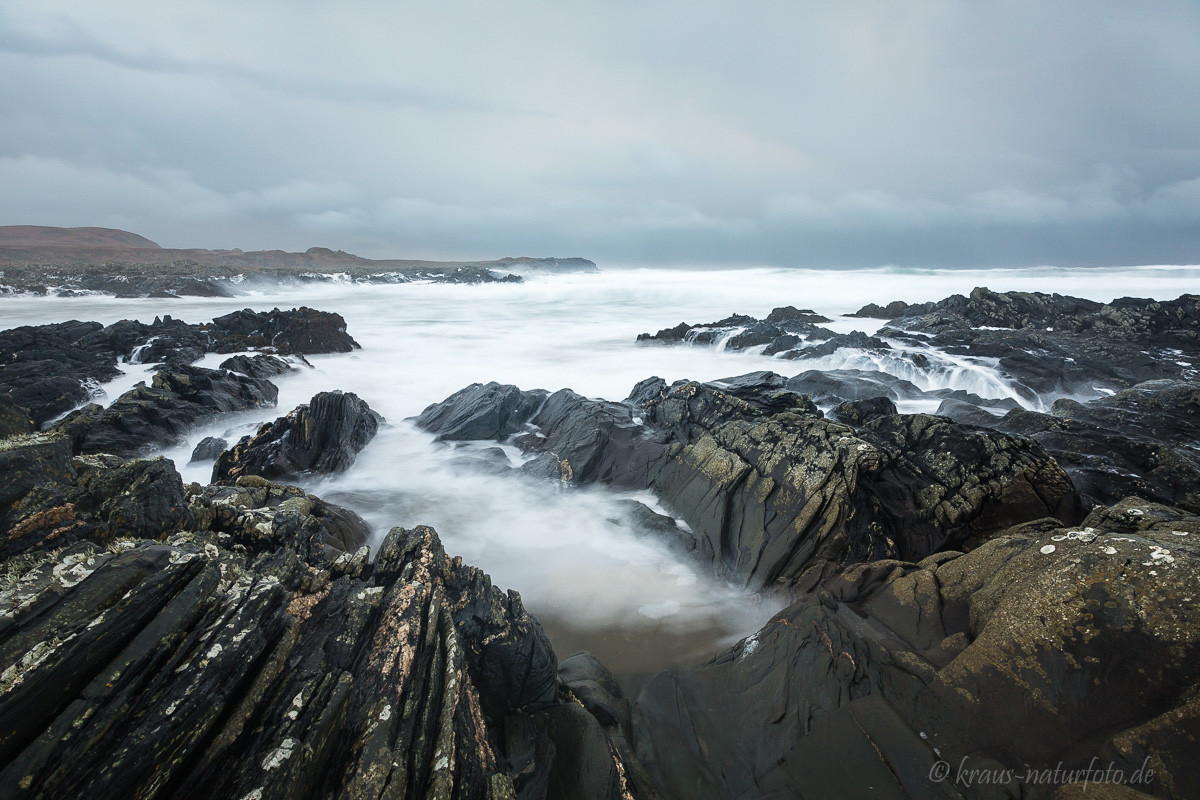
(860, 133)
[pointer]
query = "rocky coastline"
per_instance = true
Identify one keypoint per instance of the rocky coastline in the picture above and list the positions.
(993, 588)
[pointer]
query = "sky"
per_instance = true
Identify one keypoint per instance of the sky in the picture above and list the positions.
(815, 134)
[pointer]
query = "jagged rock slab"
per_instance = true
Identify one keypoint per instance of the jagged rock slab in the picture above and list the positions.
(324, 436)
(1144, 440)
(49, 369)
(241, 655)
(177, 400)
(771, 489)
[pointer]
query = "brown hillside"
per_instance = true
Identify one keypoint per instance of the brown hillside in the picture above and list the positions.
(46, 236)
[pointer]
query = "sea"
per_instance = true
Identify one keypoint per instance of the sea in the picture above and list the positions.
(594, 580)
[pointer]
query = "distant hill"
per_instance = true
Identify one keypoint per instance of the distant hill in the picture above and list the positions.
(41, 259)
(45, 236)
(122, 251)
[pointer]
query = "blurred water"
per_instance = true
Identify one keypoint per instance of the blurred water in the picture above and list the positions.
(579, 565)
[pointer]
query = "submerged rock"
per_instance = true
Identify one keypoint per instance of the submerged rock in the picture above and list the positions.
(323, 436)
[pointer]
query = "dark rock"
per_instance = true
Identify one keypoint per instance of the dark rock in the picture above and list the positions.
(791, 313)
(897, 308)
(259, 366)
(773, 491)
(667, 335)
(856, 412)
(324, 436)
(1051, 344)
(481, 411)
(261, 515)
(178, 399)
(14, 420)
(1139, 441)
(45, 369)
(755, 334)
(209, 448)
(891, 660)
(300, 330)
(212, 643)
(780, 332)
(164, 340)
(856, 340)
(837, 385)
(52, 499)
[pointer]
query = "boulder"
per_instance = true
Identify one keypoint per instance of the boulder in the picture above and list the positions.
(481, 411)
(208, 449)
(301, 330)
(262, 365)
(323, 436)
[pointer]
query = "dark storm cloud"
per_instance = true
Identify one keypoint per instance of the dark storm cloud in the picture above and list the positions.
(859, 133)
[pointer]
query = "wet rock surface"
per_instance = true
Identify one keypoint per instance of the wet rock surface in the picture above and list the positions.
(238, 641)
(1143, 440)
(51, 369)
(323, 436)
(300, 330)
(1072, 643)
(209, 448)
(773, 490)
(177, 400)
(1051, 344)
(1046, 345)
(782, 331)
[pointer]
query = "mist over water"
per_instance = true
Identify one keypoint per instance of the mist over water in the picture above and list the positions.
(593, 579)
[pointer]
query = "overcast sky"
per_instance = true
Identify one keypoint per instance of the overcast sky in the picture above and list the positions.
(844, 133)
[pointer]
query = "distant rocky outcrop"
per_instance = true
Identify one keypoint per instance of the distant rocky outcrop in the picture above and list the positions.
(324, 436)
(1045, 345)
